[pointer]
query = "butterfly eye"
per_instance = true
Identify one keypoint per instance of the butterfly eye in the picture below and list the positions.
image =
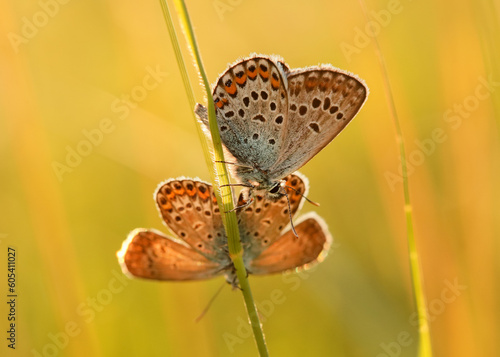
(275, 188)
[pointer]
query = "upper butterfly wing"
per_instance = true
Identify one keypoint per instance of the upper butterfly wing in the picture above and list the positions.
(149, 254)
(250, 101)
(262, 222)
(189, 208)
(289, 252)
(202, 115)
(321, 102)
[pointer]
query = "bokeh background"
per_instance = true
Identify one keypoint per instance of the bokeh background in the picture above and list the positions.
(74, 69)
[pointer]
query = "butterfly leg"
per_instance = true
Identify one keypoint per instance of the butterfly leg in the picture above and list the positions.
(237, 185)
(289, 211)
(232, 278)
(236, 284)
(246, 204)
(236, 164)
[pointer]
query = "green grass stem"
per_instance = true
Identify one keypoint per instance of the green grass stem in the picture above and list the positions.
(425, 346)
(221, 177)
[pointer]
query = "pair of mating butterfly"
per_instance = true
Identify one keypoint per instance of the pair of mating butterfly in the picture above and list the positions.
(272, 120)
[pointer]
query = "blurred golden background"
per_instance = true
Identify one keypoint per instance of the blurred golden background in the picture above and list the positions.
(94, 115)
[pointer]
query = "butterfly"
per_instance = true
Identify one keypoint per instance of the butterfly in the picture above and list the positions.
(199, 251)
(272, 119)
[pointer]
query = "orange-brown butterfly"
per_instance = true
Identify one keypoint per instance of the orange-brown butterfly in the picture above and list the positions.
(189, 209)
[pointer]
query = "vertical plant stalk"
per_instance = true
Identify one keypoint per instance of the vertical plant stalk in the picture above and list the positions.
(221, 178)
(425, 346)
(187, 86)
(487, 21)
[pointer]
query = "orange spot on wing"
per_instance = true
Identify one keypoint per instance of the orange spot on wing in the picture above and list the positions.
(241, 80)
(264, 74)
(220, 103)
(203, 194)
(253, 74)
(231, 89)
(167, 206)
(275, 83)
(311, 83)
(323, 84)
(178, 191)
(191, 192)
(169, 194)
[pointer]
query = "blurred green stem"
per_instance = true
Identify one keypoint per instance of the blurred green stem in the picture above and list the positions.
(221, 178)
(187, 85)
(425, 346)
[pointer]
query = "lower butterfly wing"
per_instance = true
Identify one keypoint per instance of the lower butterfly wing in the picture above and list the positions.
(189, 209)
(289, 252)
(322, 101)
(150, 255)
(262, 222)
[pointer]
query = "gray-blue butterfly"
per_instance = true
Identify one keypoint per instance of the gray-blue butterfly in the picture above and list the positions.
(273, 120)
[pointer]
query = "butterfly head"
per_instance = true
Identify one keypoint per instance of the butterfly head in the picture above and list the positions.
(270, 190)
(277, 190)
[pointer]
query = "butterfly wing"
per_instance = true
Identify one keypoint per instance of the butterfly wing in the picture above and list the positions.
(189, 209)
(250, 101)
(202, 115)
(289, 252)
(262, 222)
(149, 254)
(322, 101)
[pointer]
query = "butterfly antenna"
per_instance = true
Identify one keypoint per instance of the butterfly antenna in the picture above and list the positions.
(210, 302)
(290, 213)
(308, 200)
